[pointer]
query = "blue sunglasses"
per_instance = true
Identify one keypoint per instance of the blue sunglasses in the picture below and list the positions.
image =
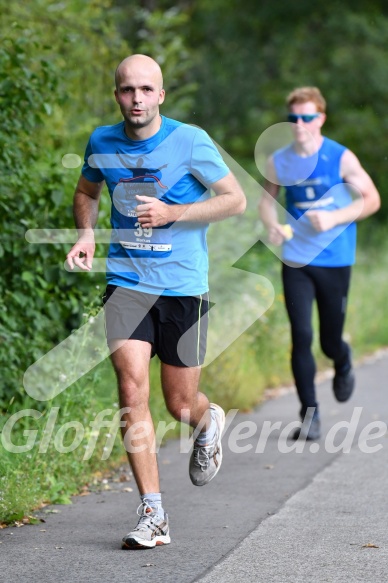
(305, 117)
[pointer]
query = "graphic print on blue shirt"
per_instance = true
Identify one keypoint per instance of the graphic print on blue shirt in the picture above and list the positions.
(142, 241)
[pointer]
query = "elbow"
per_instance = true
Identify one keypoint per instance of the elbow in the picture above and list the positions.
(377, 204)
(374, 205)
(371, 206)
(241, 206)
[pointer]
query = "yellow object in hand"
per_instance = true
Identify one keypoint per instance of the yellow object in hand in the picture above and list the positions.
(288, 233)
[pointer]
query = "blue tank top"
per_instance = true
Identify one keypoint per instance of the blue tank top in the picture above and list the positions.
(314, 183)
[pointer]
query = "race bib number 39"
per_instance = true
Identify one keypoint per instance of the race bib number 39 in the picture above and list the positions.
(147, 239)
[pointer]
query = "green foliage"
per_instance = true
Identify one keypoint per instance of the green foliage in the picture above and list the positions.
(366, 314)
(248, 60)
(41, 90)
(61, 445)
(31, 194)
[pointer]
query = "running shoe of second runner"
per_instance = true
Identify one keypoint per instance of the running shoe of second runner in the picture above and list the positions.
(343, 385)
(310, 429)
(151, 530)
(205, 460)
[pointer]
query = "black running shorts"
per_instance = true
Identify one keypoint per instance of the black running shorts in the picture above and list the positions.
(175, 326)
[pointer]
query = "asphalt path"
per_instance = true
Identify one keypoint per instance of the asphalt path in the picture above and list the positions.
(278, 511)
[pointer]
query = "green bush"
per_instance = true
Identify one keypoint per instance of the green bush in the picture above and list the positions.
(40, 121)
(31, 194)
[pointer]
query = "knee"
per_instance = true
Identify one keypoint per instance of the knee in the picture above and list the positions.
(329, 349)
(179, 408)
(132, 394)
(302, 337)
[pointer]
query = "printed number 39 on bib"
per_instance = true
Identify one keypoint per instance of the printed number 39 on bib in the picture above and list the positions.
(142, 232)
(148, 239)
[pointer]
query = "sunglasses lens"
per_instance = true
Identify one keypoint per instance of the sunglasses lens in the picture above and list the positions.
(306, 118)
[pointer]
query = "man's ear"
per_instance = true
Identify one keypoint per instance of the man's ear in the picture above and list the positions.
(322, 119)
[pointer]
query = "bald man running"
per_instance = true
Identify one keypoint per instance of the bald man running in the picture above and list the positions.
(159, 173)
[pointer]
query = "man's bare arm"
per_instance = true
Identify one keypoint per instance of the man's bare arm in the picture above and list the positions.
(85, 210)
(267, 207)
(366, 203)
(229, 200)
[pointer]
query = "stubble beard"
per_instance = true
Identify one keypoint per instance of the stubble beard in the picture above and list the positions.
(140, 122)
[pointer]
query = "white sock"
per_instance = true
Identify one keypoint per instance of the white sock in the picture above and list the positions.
(207, 437)
(154, 499)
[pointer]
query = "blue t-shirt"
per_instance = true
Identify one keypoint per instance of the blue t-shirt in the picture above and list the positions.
(176, 165)
(315, 183)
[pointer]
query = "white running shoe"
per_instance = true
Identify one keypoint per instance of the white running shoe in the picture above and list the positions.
(205, 460)
(151, 530)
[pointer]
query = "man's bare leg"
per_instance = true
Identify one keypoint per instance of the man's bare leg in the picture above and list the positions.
(187, 404)
(183, 400)
(131, 363)
(131, 359)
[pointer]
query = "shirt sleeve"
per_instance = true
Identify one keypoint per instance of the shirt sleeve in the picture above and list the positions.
(207, 164)
(90, 173)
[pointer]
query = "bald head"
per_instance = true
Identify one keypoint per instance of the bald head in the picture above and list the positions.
(139, 93)
(139, 64)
